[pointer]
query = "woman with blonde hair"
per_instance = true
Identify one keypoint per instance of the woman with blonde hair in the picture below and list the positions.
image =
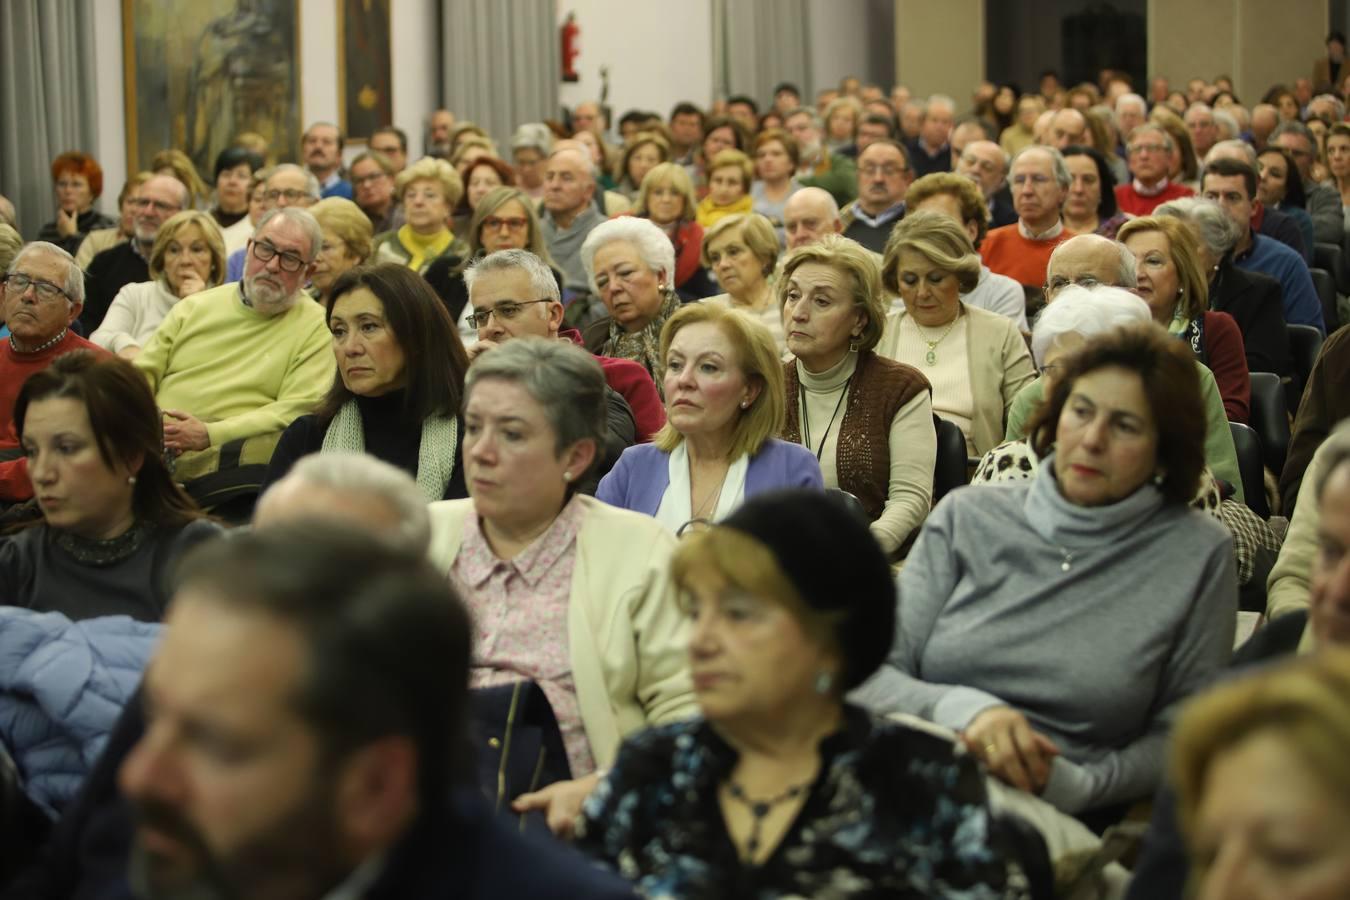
(428, 190)
(725, 401)
(176, 164)
(348, 240)
(666, 199)
(742, 252)
(841, 123)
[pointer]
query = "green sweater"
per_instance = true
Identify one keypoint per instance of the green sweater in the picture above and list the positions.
(240, 372)
(1220, 454)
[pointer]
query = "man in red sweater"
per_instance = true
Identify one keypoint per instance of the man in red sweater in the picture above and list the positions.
(43, 294)
(1040, 180)
(1150, 154)
(514, 294)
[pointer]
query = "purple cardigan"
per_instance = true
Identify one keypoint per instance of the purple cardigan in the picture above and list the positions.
(639, 479)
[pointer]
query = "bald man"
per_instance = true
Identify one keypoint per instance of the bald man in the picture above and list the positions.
(810, 214)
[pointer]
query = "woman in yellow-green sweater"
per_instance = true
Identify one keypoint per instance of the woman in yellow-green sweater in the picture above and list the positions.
(428, 190)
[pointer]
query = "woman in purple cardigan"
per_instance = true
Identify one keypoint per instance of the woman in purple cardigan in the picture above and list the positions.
(725, 400)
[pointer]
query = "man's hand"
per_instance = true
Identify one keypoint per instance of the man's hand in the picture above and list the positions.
(479, 347)
(184, 433)
(1012, 750)
(561, 803)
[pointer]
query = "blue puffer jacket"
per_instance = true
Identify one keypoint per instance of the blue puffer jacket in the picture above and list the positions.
(62, 686)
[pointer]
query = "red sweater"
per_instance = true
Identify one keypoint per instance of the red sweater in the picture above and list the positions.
(14, 370)
(1006, 252)
(1131, 201)
(632, 381)
(1226, 356)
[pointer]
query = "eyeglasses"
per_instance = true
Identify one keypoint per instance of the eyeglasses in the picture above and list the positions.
(291, 195)
(505, 311)
(510, 223)
(885, 171)
(367, 179)
(159, 205)
(1059, 282)
(289, 262)
(1147, 148)
(1046, 370)
(47, 292)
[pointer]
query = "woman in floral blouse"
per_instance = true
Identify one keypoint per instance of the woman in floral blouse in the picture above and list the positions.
(782, 788)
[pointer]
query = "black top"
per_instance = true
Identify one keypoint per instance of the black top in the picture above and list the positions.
(48, 570)
(1283, 228)
(85, 222)
(224, 219)
(389, 435)
(1254, 301)
(108, 273)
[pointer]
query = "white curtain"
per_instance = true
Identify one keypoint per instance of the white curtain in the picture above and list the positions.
(759, 43)
(46, 99)
(500, 62)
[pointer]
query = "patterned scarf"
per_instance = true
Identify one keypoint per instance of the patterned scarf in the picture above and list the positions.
(435, 454)
(643, 346)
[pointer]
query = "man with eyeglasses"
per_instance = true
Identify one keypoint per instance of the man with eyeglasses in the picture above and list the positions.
(240, 362)
(287, 185)
(42, 294)
(373, 183)
(514, 294)
(884, 174)
(321, 147)
(1150, 154)
(1322, 201)
(986, 162)
(392, 144)
(153, 203)
(1040, 181)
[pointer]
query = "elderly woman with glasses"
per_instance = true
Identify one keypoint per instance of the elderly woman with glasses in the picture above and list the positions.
(347, 242)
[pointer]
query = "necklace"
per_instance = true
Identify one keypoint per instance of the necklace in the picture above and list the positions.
(931, 356)
(47, 346)
(806, 419)
(759, 809)
(712, 498)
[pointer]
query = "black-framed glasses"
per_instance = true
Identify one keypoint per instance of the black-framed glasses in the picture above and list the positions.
(289, 262)
(46, 291)
(505, 311)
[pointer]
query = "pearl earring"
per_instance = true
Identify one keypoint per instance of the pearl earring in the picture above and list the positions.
(131, 479)
(567, 476)
(824, 681)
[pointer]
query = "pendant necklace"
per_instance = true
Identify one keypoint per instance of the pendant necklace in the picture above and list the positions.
(759, 809)
(931, 356)
(806, 419)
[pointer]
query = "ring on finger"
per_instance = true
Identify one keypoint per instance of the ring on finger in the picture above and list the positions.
(990, 748)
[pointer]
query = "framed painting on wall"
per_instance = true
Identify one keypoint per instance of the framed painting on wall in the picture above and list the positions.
(199, 73)
(364, 67)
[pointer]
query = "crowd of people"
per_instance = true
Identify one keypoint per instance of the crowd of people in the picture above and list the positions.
(588, 517)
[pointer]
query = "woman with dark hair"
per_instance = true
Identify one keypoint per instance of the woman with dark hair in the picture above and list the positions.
(113, 519)
(399, 383)
(78, 180)
(719, 133)
(1107, 581)
(1090, 206)
(1281, 187)
(235, 167)
(482, 176)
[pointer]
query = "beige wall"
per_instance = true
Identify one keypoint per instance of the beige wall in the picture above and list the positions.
(1175, 53)
(939, 46)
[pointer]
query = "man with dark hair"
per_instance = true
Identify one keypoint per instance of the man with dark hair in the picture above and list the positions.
(744, 110)
(1232, 184)
(875, 127)
(686, 133)
(321, 150)
(392, 143)
(786, 97)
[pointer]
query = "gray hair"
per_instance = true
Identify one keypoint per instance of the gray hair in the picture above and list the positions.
(1126, 272)
(1061, 169)
(1132, 100)
(563, 379)
(1152, 126)
(1227, 124)
(533, 136)
(1086, 312)
(360, 473)
(939, 100)
(10, 245)
(1297, 128)
(1337, 106)
(302, 217)
(74, 274)
(542, 283)
(1225, 149)
(652, 244)
(1210, 221)
(312, 189)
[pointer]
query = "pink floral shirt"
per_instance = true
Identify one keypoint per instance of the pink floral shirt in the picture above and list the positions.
(519, 609)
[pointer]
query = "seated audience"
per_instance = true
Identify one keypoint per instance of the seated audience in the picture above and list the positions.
(78, 180)
(498, 285)
(666, 199)
(569, 216)
(566, 591)
(235, 167)
(884, 175)
(1323, 201)
(1281, 189)
(817, 166)
(481, 177)
(1325, 402)
(43, 295)
(975, 360)
(283, 186)
(113, 520)
(1040, 181)
(347, 243)
(1150, 151)
(1144, 588)
(530, 146)
(630, 265)
(720, 133)
(728, 178)
(810, 214)
(725, 400)
(427, 190)
(399, 382)
(744, 800)
(987, 164)
(1305, 550)
(742, 252)
(1266, 220)
(1167, 265)
(100, 239)
(644, 152)
(244, 360)
(776, 156)
(883, 448)
(373, 176)
(1090, 205)
(930, 150)
(188, 257)
(1338, 162)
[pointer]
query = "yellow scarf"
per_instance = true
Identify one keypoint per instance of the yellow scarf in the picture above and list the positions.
(422, 250)
(709, 212)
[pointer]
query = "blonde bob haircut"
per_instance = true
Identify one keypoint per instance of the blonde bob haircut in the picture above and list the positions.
(734, 159)
(963, 189)
(346, 220)
(754, 230)
(667, 174)
(1304, 704)
(857, 263)
(757, 356)
(939, 239)
(435, 170)
(1185, 253)
(174, 226)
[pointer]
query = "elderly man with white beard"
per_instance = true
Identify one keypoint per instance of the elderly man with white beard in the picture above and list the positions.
(244, 359)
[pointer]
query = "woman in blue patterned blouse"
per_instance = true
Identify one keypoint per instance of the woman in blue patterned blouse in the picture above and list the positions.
(782, 788)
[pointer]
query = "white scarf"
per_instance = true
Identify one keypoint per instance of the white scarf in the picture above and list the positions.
(435, 454)
(676, 506)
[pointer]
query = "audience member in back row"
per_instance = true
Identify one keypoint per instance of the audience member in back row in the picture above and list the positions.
(1325, 402)
(666, 198)
(783, 787)
(867, 419)
(347, 243)
(742, 251)
(113, 520)
(398, 386)
(566, 591)
(1144, 590)
(1040, 180)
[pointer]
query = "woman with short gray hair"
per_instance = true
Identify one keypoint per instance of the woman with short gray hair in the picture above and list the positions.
(569, 593)
(1252, 299)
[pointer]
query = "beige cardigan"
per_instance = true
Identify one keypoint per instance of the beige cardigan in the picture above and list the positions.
(627, 638)
(1000, 365)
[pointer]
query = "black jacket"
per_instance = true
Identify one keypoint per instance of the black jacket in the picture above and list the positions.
(1255, 301)
(109, 272)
